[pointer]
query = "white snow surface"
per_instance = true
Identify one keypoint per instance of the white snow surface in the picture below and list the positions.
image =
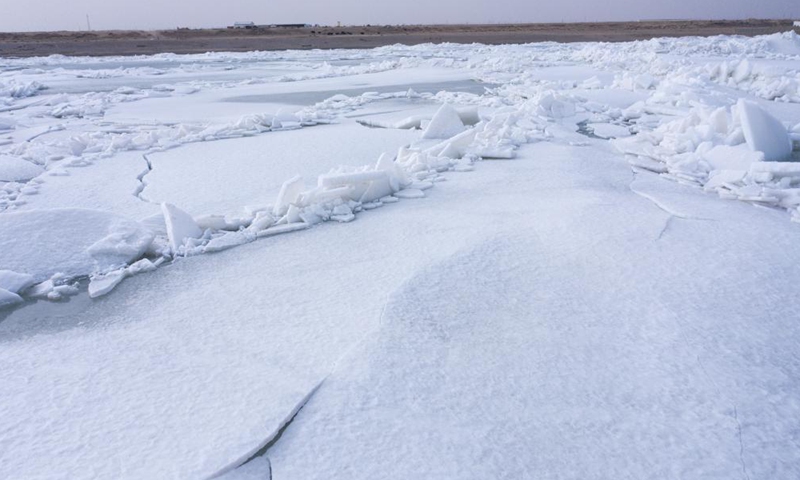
(432, 261)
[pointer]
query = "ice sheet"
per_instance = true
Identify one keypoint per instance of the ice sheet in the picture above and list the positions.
(623, 352)
(591, 301)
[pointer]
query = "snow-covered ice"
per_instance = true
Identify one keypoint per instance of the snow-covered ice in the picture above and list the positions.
(13, 169)
(303, 264)
(71, 242)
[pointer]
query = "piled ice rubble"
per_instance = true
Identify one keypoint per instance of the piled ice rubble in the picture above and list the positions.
(736, 151)
(660, 66)
(12, 90)
(108, 248)
(740, 152)
(644, 65)
(85, 148)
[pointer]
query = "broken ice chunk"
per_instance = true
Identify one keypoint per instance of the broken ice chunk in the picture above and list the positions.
(214, 222)
(409, 193)
(8, 298)
(647, 163)
(454, 147)
(763, 132)
(262, 221)
(155, 223)
(229, 240)
(503, 153)
(285, 119)
(280, 229)
(444, 124)
(290, 192)
(180, 226)
(15, 282)
(376, 190)
(723, 157)
(469, 115)
(74, 242)
(341, 179)
(607, 130)
(293, 215)
(343, 218)
(776, 169)
(723, 178)
(102, 284)
(422, 185)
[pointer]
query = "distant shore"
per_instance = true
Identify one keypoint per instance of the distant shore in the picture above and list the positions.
(104, 43)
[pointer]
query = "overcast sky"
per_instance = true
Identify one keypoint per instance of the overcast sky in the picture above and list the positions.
(35, 15)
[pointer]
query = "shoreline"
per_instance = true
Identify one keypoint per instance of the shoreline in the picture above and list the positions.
(188, 41)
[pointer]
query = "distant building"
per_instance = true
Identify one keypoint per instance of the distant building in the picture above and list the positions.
(288, 25)
(246, 25)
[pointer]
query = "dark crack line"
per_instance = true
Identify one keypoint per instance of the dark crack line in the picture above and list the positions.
(271, 440)
(657, 204)
(263, 451)
(683, 328)
(50, 129)
(714, 384)
(275, 437)
(142, 184)
(666, 226)
(735, 415)
(741, 443)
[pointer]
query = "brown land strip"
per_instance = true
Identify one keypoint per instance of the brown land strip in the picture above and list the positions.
(217, 40)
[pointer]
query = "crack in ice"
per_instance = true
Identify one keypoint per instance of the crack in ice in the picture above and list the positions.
(716, 388)
(741, 443)
(142, 184)
(262, 449)
(666, 226)
(671, 213)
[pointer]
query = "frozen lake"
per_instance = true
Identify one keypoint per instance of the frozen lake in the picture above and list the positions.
(439, 261)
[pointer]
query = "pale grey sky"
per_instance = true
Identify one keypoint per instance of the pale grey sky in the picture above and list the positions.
(33, 15)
